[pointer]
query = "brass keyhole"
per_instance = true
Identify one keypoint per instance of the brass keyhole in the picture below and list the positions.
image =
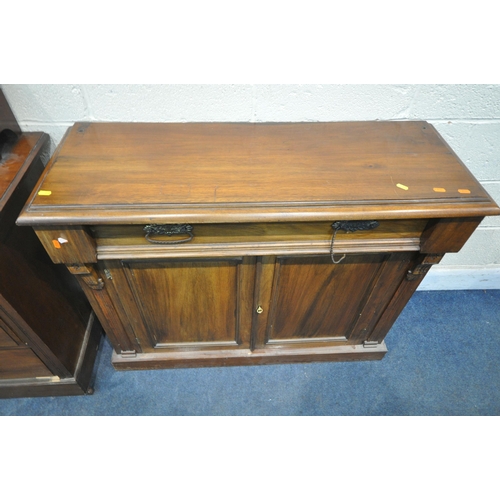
(259, 310)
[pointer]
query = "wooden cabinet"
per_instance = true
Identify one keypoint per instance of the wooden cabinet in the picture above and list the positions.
(230, 244)
(48, 336)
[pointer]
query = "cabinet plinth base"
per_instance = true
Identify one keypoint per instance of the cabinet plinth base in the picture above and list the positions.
(244, 357)
(78, 385)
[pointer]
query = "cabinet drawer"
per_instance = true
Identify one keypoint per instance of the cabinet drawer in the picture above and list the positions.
(128, 242)
(21, 363)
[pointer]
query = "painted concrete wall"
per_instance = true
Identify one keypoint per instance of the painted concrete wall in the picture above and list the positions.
(467, 116)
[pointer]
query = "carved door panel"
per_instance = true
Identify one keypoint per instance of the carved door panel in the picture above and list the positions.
(313, 302)
(186, 303)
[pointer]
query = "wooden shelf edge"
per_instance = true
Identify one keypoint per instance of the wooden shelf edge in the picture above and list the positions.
(195, 215)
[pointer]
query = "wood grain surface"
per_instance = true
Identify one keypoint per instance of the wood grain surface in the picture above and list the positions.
(44, 317)
(186, 301)
(256, 283)
(203, 172)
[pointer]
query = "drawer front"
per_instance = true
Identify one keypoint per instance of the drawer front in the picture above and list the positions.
(21, 363)
(125, 242)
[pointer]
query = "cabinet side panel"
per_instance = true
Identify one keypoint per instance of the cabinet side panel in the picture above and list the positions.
(394, 308)
(447, 235)
(68, 245)
(124, 318)
(391, 274)
(46, 296)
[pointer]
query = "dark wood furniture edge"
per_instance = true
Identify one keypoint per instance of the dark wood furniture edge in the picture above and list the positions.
(78, 385)
(32, 157)
(191, 215)
(46, 171)
(29, 337)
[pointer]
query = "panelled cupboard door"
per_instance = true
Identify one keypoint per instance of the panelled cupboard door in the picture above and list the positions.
(314, 302)
(249, 302)
(186, 303)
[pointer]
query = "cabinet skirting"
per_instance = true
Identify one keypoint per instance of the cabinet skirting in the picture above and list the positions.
(245, 357)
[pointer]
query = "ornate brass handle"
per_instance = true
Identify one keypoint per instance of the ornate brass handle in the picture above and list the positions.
(168, 230)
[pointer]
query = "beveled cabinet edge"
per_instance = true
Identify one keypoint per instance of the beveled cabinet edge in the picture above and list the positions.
(192, 214)
(253, 212)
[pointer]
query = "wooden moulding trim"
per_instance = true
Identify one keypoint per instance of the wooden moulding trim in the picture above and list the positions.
(196, 345)
(274, 248)
(238, 357)
(319, 340)
(71, 215)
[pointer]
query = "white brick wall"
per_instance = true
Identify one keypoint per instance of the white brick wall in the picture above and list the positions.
(468, 117)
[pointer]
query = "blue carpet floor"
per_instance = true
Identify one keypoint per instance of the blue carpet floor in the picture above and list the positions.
(443, 359)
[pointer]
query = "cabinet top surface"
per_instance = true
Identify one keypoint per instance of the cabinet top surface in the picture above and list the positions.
(216, 172)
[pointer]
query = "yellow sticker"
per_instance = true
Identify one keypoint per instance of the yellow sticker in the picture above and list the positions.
(402, 186)
(44, 193)
(439, 190)
(464, 191)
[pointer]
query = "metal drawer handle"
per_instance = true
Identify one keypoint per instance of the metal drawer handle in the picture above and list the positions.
(350, 226)
(168, 230)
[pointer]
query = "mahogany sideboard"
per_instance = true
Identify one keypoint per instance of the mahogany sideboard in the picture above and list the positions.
(210, 244)
(48, 336)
